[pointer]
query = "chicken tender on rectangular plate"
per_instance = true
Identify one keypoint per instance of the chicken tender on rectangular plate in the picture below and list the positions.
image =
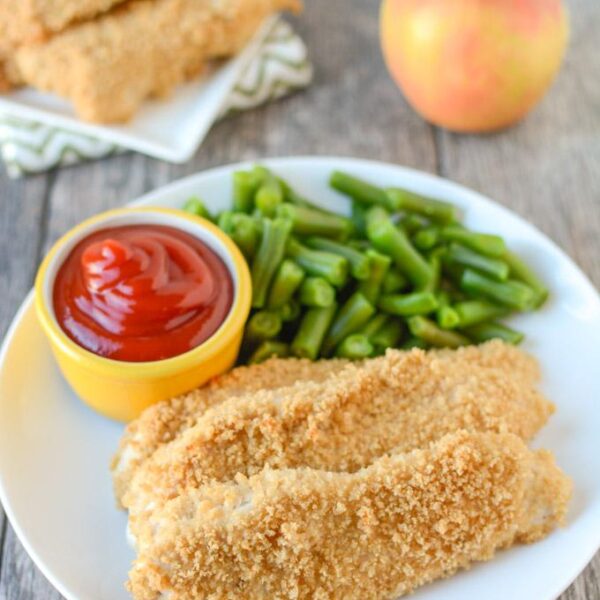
(109, 66)
(30, 21)
(376, 534)
(404, 401)
(6, 81)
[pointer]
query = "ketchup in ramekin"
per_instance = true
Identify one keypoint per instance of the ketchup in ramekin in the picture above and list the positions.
(141, 293)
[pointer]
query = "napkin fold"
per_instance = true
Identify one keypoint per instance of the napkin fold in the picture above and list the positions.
(279, 67)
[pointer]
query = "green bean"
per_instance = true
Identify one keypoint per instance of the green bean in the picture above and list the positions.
(429, 332)
(472, 312)
(260, 173)
(330, 266)
(415, 342)
(406, 305)
(289, 311)
(357, 189)
(411, 224)
(393, 282)
(391, 241)
(195, 206)
(286, 281)
(359, 217)
(509, 293)
(436, 273)
(263, 325)
(454, 294)
(489, 331)
(311, 221)
(244, 230)
(267, 258)
(376, 214)
(447, 317)
(442, 297)
(245, 184)
(493, 267)
(426, 239)
(485, 243)
(269, 196)
(435, 252)
(311, 332)
(388, 336)
(436, 210)
(360, 245)
(356, 311)
(522, 272)
(225, 221)
(354, 347)
(452, 271)
(268, 349)
(374, 325)
(359, 262)
(379, 265)
(316, 291)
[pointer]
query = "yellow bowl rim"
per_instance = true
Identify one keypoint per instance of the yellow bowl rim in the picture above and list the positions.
(228, 330)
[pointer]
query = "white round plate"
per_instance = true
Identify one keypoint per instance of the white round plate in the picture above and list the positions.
(54, 452)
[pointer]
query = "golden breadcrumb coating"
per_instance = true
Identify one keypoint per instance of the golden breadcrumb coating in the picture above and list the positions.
(6, 83)
(162, 422)
(404, 400)
(303, 534)
(30, 21)
(108, 67)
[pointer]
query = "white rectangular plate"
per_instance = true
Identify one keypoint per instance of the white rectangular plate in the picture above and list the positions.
(171, 129)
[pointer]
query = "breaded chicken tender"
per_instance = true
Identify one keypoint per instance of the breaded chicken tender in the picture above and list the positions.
(29, 21)
(304, 534)
(108, 67)
(6, 81)
(162, 422)
(404, 400)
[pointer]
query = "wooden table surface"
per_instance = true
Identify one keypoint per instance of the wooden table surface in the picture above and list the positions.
(546, 169)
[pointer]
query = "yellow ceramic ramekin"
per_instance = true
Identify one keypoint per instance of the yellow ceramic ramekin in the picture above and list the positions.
(122, 390)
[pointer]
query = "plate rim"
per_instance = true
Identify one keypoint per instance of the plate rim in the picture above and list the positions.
(273, 162)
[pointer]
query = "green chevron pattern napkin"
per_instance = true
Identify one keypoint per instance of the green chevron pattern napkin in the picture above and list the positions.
(279, 68)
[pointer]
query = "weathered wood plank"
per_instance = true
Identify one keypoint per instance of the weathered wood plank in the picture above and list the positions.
(586, 586)
(548, 170)
(22, 215)
(21, 579)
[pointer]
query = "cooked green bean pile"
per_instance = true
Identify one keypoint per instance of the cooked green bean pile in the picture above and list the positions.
(401, 272)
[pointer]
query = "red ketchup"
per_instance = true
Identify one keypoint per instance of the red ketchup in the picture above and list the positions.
(141, 293)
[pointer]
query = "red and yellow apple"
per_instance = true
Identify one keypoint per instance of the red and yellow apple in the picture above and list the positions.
(473, 65)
